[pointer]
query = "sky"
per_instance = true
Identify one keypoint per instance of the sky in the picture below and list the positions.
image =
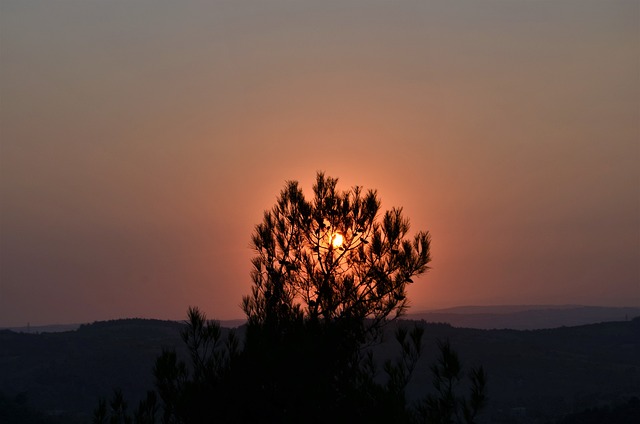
(141, 142)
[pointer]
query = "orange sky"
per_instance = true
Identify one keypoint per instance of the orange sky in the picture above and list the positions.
(142, 140)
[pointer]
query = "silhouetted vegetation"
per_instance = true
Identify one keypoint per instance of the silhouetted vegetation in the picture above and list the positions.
(314, 346)
(295, 378)
(623, 413)
(446, 405)
(534, 376)
(328, 275)
(332, 260)
(17, 410)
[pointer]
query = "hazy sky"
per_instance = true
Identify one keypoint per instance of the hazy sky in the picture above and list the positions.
(141, 142)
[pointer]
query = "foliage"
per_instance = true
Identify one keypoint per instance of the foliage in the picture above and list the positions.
(539, 372)
(115, 411)
(623, 413)
(16, 410)
(332, 258)
(446, 406)
(328, 275)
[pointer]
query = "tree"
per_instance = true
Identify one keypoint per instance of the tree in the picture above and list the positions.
(328, 274)
(447, 406)
(116, 412)
(332, 258)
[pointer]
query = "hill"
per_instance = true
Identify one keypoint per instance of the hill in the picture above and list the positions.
(66, 372)
(525, 317)
(515, 317)
(534, 376)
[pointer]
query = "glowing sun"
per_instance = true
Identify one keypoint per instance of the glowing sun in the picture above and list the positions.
(337, 240)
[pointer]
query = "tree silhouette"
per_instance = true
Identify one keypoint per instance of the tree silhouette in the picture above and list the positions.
(332, 258)
(328, 274)
(447, 406)
(115, 411)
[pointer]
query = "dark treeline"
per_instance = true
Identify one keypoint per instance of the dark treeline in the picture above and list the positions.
(306, 373)
(533, 376)
(619, 413)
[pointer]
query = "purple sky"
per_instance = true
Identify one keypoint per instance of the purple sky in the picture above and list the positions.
(141, 142)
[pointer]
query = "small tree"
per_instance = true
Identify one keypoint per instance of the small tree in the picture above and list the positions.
(332, 258)
(447, 406)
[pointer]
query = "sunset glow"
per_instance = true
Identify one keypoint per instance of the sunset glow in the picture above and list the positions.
(142, 142)
(337, 240)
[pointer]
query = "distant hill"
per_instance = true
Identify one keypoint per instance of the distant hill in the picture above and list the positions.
(54, 328)
(64, 372)
(515, 317)
(531, 317)
(58, 328)
(534, 376)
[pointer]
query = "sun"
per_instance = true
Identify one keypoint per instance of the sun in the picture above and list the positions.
(337, 240)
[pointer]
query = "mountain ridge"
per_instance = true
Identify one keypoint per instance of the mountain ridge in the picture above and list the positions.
(516, 317)
(522, 317)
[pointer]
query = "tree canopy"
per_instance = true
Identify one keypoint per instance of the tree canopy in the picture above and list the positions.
(333, 257)
(329, 272)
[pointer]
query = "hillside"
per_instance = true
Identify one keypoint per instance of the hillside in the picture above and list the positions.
(67, 371)
(514, 317)
(525, 317)
(533, 375)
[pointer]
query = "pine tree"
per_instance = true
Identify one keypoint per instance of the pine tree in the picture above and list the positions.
(328, 274)
(333, 258)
